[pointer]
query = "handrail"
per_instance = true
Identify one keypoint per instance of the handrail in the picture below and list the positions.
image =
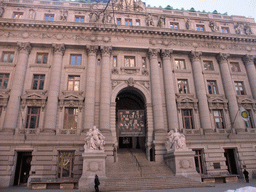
(137, 163)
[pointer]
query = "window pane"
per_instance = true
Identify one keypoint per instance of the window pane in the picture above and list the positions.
(77, 19)
(41, 85)
(76, 87)
(73, 60)
(5, 83)
(70, 85)
(46, 17)
(126, 62)
(35, 84)
(39, 58)
(5, 58)
(82, 19)
(32, 122)
(45, 59)
(132, 62)
(52, 17)
(11, 58)
(78, 60)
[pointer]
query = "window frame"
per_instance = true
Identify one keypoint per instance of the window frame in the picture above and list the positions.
(237, 88)
(19, 14)
(129, 57)
(128, 22)
(181, 84)
(9, 53)
(199, 154)
(174, 24)
(114, 61)
(225, 29)
(3, 80)
(30, 114)
(61, 161)
(177, 63)
(144, 62)
(212, 84)
(76, 56)
(67, 117)
(42, 59)
(208, 63)
(235, 67)
(50, 16)
(190, 118)
(73, 82)
(79, 17)
(220, 116)
(118, 21)
(39, 80)
(137, 22)
(200, 27)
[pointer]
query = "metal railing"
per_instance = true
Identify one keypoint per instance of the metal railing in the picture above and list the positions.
(137, 163)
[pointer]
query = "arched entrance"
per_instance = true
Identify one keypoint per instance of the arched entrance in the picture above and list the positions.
(131, 118)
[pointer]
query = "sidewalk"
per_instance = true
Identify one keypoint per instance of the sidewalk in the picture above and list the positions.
(218, 188)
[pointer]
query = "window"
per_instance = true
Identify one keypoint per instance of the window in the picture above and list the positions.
(98, 61)
(249, 123)
(235, 67)
(7, 57)
(174, 25)
(41, 58)
(200, 27)
(4, 78)
(183, 86)
(114, 61)
(180, 64)
(208, 65)
(128, 22)
(144, 64)
(187, 118)
(199, 160)
(225, 29)
(118, 21)
(218, 119)
(48, 17)
(73, 83)
(137, 22)
(70, 118)
(212, 87)
(17, 15)
(65, 164)
(38, 82)
(129, 61)
(33, 117)
(75, 59)
(79, 19)
(239, 88)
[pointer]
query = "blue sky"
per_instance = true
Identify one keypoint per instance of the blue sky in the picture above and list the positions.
(232, 7)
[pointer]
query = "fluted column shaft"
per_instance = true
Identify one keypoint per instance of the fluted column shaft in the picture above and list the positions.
(12, 111)
(200, 90)
(90, 89)
(156, 91)
(228, 84)
(54, 88)
(172, 116)
(105, 89)
(251, 73)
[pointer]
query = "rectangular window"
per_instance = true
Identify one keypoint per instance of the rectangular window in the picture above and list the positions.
(174, 25)
(118, 21)
(4, 78)
(38, 82)
(208, 65)
(225, 29)
(48, 17)
(70, 118)
(183, 86)
(144, 64)
(218, 119)
(239, 88)
(75, 59)
(199, 160)
(33, 117)
(200, 27)
(73, 83)
(235, 67)
(128, 22)
(137, 22)
(249, 123)
(17, 15)
(180, 64)
(41, 58)
(7, 57)
(79, 19)
(114, 61)
(187, 118)
(212, 87)
(65, 164)
(129, 61)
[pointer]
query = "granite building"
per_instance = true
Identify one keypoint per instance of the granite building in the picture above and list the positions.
(135, 72)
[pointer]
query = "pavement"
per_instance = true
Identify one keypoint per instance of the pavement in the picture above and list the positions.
(221, 187)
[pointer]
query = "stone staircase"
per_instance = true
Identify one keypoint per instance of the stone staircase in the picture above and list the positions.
(124, 175)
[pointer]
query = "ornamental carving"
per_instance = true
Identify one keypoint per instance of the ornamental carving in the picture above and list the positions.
(161, 21)
(217, 101)
(223, 57)
(166, 53)
(107, 18)
(4, 97)
(24, 46)
(115, 83)
(175, 141)
(130, 82)
(58, 48)
(63, 15)
(115, 71)
(149, 20)
(35, 98)
(213, 26)
(187, 24)
(94, 140)
(94, 16)
(106, 50)
(1, 11)
(92, 49)
(71, 99)
(129, 5)
(195, 56)
(139, 6)
(153, 52)
(146, 84)
(32, 14)
(144, 72)
(243, 29)
(246, 101)
(248, 59)
(186, 101)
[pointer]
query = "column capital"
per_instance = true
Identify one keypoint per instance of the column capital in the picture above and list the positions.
(24, 46)
(248, 59)
(92, 49)
(223, 57)
(195, 55)
(166, 53)
(58, 48)
(106, 50)
(153, 52)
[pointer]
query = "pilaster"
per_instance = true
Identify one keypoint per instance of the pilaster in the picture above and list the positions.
(251, 72)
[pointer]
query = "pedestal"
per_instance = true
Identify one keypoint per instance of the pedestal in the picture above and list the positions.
(94, 162)
(182, 163)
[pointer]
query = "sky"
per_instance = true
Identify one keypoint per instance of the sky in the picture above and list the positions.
(232, 7)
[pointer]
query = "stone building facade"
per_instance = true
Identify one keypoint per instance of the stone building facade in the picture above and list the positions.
(66, 66)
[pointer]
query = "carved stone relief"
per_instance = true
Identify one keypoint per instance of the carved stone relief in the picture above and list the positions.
(149, 20)
(115, 71)
(161, 21)
(63, 15)
(71, 99)
(32, 14)
(35, 98)
(213, 26)
(243, 29)
(130, 82)
(186, 101)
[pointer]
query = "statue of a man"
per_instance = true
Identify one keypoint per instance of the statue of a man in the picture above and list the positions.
(94, 140)
(175, 141)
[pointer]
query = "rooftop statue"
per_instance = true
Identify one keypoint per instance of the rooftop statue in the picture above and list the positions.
(175, 141)
(94, 140)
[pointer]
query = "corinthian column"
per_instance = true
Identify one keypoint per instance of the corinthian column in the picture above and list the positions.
(54, 88)
(200, 90)
(251, 72)
(12, 112)
(89, 103)
(169, 91)
(105, 89)
(230, 93)
(156, 91)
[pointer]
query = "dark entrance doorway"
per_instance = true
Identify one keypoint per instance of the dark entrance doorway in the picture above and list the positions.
(22, 168)
(231, 160)
(131, 101)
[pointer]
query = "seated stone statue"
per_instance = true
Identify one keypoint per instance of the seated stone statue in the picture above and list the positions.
(175, 141)
(94, 140)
